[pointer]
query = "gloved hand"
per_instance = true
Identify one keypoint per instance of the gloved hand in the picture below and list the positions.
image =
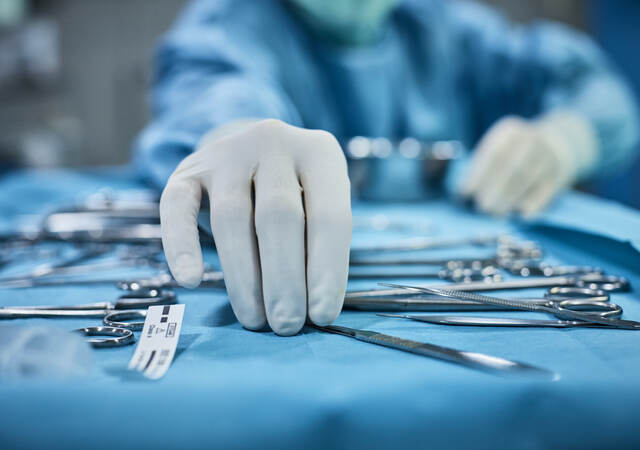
(520, 165)
(281, 219)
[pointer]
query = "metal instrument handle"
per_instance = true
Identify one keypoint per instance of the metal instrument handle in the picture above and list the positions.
(473, 321)
(558, 312)
(145, 298)
(608, 283)
(84, 307)
(17, 313)
(470, 359)
(121, 336)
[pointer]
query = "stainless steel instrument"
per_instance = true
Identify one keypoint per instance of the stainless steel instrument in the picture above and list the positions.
(469, 359)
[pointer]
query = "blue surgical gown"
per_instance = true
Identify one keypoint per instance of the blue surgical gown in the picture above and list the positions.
(441, 69)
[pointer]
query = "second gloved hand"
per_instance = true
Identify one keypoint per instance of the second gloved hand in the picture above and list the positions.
(521, 165)
(281, 220)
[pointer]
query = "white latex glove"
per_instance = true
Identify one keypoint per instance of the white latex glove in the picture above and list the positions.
(520, 165)
(281, 219)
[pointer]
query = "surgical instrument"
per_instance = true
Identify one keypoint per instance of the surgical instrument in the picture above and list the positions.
(449, 263)
(110, 312)
(431, 243)
(385, 222)
(470, 359)
(554, 309)
(507, 245)
(523, 268)
(527, 268)
(42, 270)
(44, 276)
(495, 321)
(121, 319)
(488, 273)
(580, 297)
(120, 337)
(139, 299)
(215, 279)
(609, 283)
(210, 279)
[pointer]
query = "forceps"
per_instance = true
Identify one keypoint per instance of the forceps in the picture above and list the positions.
(579, 299)
(554, 308)
(53, 275)
(460, 274)
(593, 300)
(608, 283)
(43, 270)
(470, 359)
(432, 243)
(127, 307)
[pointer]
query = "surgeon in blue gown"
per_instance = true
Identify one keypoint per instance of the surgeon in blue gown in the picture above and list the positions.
(249, 94)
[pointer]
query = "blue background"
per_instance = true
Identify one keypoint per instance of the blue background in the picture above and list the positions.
(614, 25)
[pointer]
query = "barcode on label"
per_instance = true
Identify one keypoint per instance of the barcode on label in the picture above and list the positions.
(158, 341)
(163, 356)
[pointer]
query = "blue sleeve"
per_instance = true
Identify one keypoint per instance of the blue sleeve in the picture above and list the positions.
(210, 70)
(531, 70)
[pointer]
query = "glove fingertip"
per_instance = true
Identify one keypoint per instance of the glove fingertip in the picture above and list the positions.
(187, 270)
(325, 304)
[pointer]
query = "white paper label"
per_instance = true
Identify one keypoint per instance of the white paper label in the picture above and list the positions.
(158, 341)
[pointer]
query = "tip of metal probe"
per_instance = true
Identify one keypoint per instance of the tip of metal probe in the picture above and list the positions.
(412, 288)
(397, 316)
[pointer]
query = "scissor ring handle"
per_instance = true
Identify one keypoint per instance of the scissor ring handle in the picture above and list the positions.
(600, 309)
(117, 319)
(120, 337)
(149, 292)
(609, 283)
(145, 298)
(565, 292)
(468, 275)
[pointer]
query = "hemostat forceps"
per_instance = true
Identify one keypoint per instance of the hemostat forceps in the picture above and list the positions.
(127, 307)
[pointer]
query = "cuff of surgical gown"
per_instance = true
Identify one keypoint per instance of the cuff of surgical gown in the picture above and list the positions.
(159, 150)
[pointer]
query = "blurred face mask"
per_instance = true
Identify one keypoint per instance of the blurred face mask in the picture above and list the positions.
(353, 22)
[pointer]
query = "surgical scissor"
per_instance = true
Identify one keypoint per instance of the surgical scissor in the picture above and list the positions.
(528, 268)
(553, 308)
(114, 314)
(578, 299)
